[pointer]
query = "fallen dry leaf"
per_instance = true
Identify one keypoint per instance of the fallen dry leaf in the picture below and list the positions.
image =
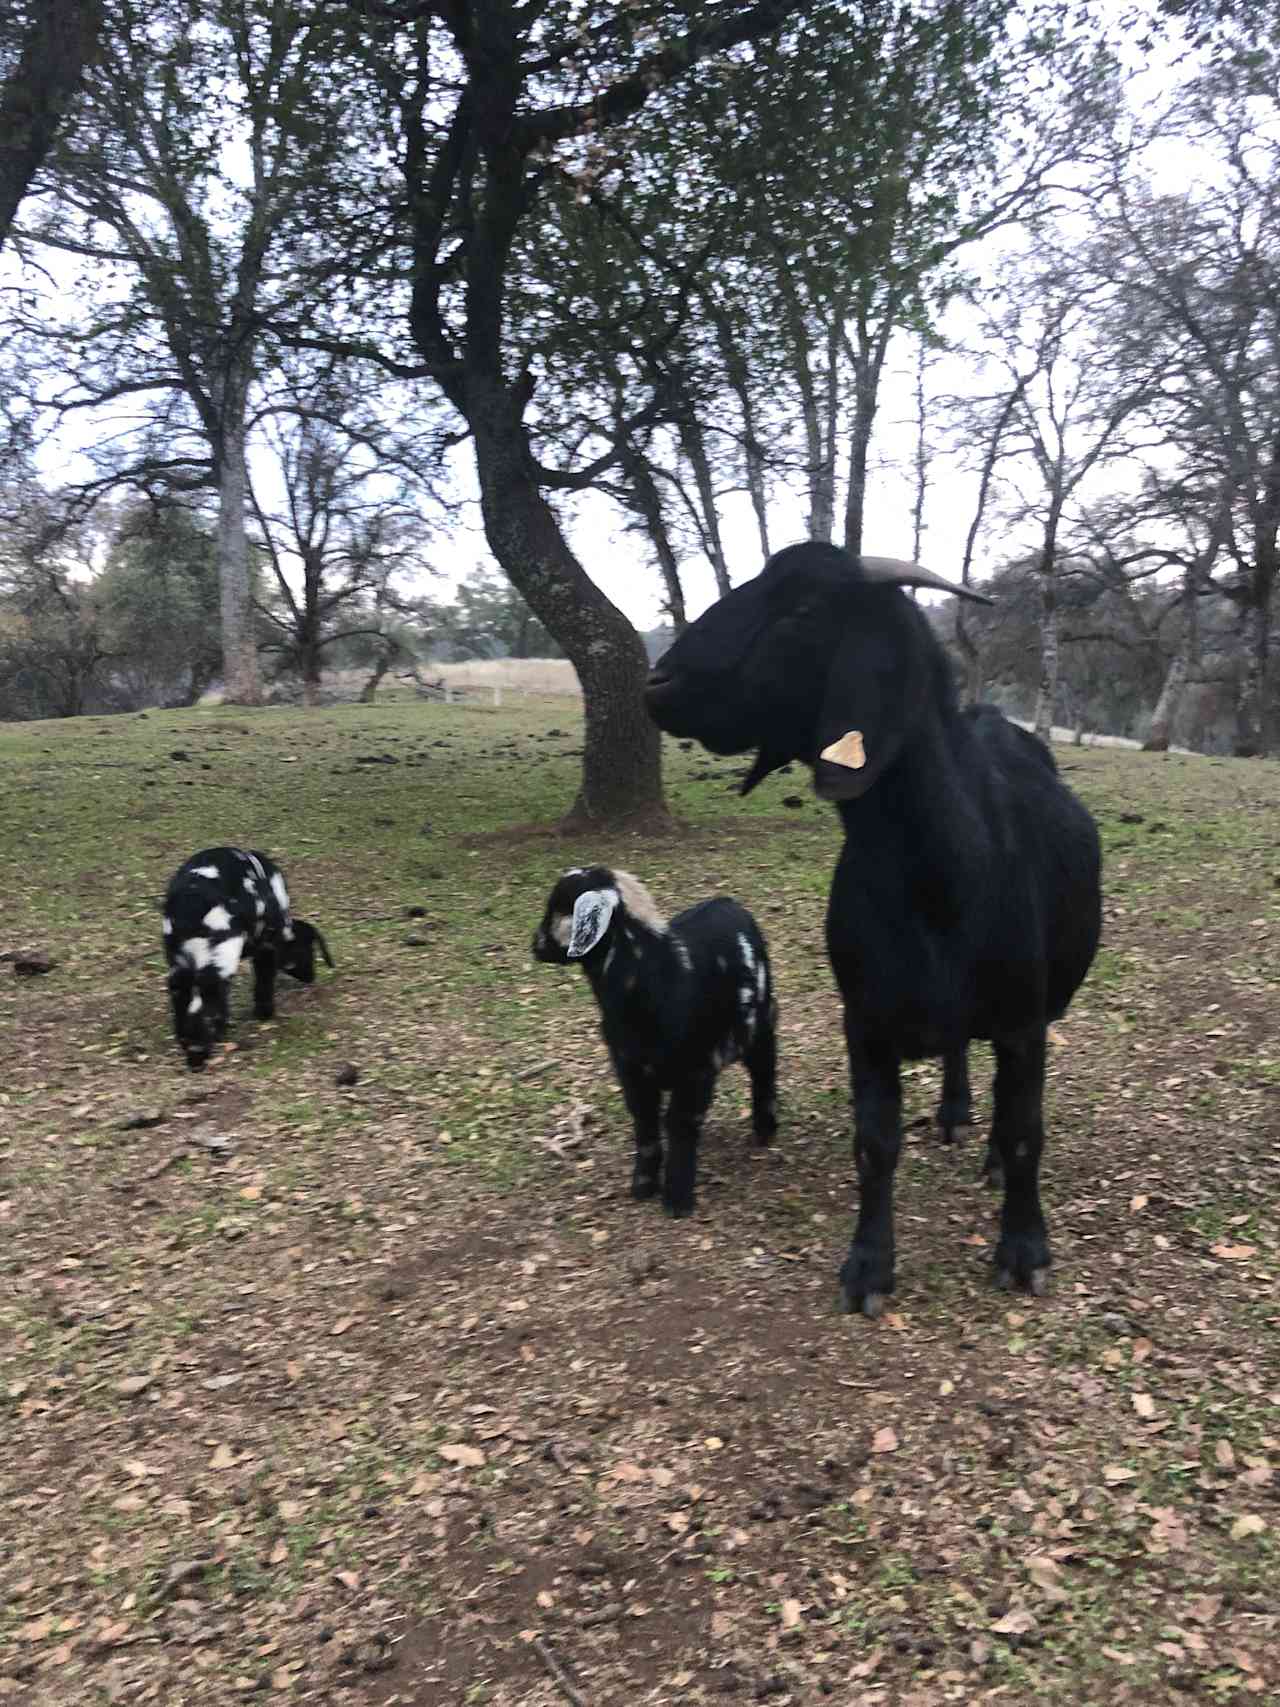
(1145, 1406)
(223, 1458)
(790, 1612)
(465, 1457)
(1234, 1253)
(1018, 1621)
(1249, 1524)
(884, 1440)
(1115, 1473)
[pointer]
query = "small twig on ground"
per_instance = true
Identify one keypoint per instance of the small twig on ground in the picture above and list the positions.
(532, 1072)
(557, 1146)
(557, 1672)
(605, 1614)
(552, 1451)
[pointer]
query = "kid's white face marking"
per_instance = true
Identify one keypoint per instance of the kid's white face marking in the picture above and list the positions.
(226, 956)
(748, 953)
(194, 1005)
(218, 918)
(205, 871)
(196, 950)
(562, 929)
(279, 891)
(166, 925)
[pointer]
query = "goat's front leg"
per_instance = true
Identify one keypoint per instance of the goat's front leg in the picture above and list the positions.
(264, 982)
(1017, 1138)
(690, 1100)
(867, 1274)
(644, 1105)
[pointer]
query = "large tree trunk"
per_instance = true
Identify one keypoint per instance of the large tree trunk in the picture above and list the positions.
(38, 91)
(1251, 734)
(866, 359)
(1167, 706)
(1175, 680)
(622, 757)
(239, 644)
(864, 411)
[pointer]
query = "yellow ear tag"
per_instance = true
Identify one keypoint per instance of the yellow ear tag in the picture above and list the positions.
(847, 751)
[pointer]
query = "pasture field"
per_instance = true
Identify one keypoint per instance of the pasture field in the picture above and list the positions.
(393, 1396)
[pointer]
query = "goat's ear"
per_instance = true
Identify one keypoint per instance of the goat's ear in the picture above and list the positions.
(875, 688)
(591, 914)
(312, 932)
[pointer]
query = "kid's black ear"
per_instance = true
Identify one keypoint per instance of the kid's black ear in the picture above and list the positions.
(875, 688)
(309, 933)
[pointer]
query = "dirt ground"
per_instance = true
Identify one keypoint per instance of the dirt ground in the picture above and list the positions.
(387, 1393)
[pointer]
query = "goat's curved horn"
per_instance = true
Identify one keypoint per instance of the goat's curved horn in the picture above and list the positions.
(903, 574)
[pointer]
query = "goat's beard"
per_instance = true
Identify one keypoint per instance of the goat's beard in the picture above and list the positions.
(766, 761)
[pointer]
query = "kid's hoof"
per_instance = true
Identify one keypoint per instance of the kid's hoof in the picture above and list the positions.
(643, 1187)
(678, 1211)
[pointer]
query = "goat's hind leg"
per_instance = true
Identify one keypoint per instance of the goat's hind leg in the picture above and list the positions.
(1022, 1255)
(690, 1100)
(955, 1108)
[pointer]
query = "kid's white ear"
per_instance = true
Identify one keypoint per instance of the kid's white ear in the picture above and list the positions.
(591, 914)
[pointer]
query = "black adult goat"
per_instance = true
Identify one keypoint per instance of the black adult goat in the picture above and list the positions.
(966, 902)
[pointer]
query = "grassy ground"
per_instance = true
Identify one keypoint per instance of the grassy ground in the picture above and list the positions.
(401, 1399)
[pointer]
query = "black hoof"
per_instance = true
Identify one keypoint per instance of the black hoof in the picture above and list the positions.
(866, 1280)
(766, 1130)
(992, 1174)
(1022, 1264)
(643, 1187)
(678, 1209)
(955, 1132)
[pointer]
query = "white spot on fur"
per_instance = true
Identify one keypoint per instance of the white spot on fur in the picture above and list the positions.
(218, 918)
(638, 901)
(226, 956)
(562, 929)
(166, 925)
(257, 865)
(722, 964)
(195, 1004)
(684, 957)
(762, 980)
(259, 905)
(196, 950)
(746, 1000)
(280, 892)
(205, 871)
(748, 953)
(608, 959)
